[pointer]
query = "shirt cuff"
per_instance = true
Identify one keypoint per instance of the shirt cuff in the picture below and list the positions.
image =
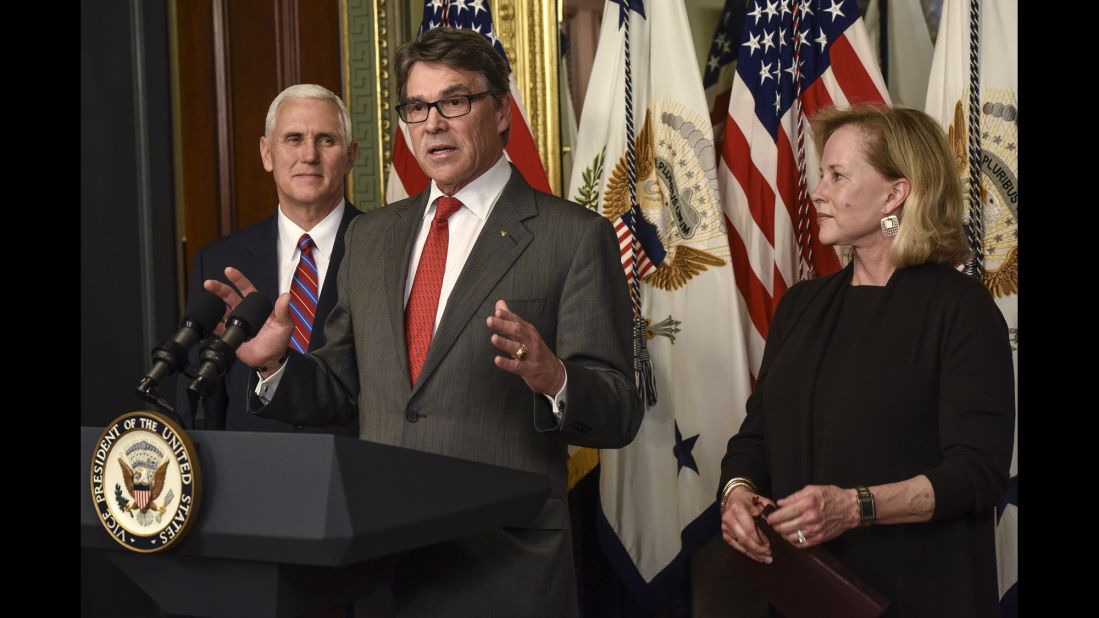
(266, 387)
(559, 402)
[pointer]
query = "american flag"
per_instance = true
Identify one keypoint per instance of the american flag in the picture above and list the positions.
(717, 75)
(795, 58)
(405, 176)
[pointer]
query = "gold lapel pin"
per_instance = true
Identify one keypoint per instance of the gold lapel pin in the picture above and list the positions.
(503, 233)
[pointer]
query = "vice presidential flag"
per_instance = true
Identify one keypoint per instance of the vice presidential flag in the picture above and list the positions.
(645, 159)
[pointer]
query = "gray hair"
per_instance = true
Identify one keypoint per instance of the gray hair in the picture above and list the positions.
(309, 91)
(458, 49)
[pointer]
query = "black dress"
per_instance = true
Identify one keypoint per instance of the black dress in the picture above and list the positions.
(864, 385)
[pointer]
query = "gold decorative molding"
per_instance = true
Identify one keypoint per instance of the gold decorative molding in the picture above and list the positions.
(381, 84)
(392, 25)
(345, 77)
(528, 31)
(368, 84)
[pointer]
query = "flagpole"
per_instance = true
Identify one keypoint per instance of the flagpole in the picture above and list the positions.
(642, 365)
(975, 266)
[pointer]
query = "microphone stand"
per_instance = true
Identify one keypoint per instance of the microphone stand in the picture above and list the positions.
(146, 389)
(198, 406)
(199, 392)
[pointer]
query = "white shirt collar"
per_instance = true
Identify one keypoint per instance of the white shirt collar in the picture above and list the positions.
(480, 195)
(323, 233)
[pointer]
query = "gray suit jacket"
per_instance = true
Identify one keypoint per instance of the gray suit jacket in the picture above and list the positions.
(557, 266)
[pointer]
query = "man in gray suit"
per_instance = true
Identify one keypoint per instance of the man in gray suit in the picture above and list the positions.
(480, 319)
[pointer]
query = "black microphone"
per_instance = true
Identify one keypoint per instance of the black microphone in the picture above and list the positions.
(199, 320)
(241, 325)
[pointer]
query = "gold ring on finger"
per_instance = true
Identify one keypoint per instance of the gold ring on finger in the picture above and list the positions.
(520, 353)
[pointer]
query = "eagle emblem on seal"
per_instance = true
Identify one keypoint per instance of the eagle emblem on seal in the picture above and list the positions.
(998, 194)
(676, 181)
(144, 481)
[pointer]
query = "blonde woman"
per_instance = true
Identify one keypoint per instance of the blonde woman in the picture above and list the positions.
(881, 423)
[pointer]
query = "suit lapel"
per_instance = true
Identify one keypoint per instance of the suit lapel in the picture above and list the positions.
(329, 293)
(399, 240)
(492, 256)
(263, 271)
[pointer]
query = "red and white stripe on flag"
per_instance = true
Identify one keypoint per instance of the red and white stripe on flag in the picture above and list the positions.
(768, 149)
(405, 176)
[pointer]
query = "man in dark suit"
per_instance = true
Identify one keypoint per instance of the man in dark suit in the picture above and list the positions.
(308, 149)
(480, 319)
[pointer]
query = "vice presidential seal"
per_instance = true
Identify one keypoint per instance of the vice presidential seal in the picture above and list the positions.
(145, 481)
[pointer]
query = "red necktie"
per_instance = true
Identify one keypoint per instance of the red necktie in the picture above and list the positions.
(303, 296)
(423, 301)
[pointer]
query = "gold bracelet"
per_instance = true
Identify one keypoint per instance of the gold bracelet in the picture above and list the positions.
(739, 481)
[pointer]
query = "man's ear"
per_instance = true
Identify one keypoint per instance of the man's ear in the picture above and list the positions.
(265, 154)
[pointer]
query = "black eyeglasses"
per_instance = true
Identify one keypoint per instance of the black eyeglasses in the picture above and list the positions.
(450, 107)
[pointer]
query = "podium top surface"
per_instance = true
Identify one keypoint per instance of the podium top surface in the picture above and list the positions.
(329, 500)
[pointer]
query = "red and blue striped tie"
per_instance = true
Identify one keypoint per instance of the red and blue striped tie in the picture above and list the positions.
(303, 295)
